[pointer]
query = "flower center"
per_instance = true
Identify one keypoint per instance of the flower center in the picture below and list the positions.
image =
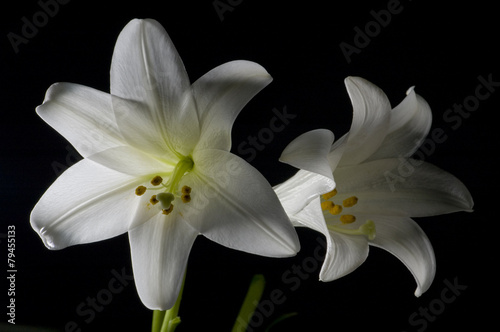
(335, 210)
(171, 187)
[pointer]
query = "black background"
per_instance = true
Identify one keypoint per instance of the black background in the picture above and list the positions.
(442, 49)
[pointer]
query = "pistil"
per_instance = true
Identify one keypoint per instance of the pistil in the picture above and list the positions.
(183, 166)
(171, 188)
(367, 229)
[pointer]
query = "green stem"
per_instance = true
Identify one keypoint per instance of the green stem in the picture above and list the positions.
(167, 320)
(250, 303)
(172, 319)
(158, 316)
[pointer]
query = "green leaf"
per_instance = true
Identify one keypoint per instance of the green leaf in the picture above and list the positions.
(280, 319)
(250, 303)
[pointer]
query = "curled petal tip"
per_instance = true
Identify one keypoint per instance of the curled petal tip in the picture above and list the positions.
(410, 90)
(310, 152)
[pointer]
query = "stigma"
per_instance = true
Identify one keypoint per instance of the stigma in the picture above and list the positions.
(169, 190)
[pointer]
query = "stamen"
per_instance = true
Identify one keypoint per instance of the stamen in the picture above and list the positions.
(347, 219)
(140, 190)
(336, 209)
(153, 200)
(171, 187)
(368, 229)
(349, 202)
(157, 180)
(329, 195)
(167, 211)
(327, 205)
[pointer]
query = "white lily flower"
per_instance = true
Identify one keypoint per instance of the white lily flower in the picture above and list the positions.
(367, 198)
(157, 164)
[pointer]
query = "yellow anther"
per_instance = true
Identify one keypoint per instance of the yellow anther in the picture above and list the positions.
(349, 202)
(329, 195)
(157, 180)
(186, 190)
(327, 205)
(153, 200)
(140, 190)
(186, 198)
(336, 209)
(347, 219)
(167, 211)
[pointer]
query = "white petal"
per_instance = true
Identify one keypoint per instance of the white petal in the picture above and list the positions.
(311, 216)
(160, 249)
(310, 152)
(84, 116)
(147, 69)
(141, 128)
(410, 124)
(220, 95)
(403, 238)
(401, 187)
(233, 204)
(337, 151)
(298, 191)
(87, 203)
(131, 161)
(344, 254)
(371, 120)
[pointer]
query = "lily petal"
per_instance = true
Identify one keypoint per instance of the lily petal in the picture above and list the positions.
(403, 238)
(129, 160)
(402, 187)
(310, 151)
(299, 190)
(84, 116)
(147, 69)
(344, 254)
(234, 205)
(141, 129)
(87, 203)
(370, 122)
(311, 216)
(220, 95)
(410, 123)
(160, 250)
